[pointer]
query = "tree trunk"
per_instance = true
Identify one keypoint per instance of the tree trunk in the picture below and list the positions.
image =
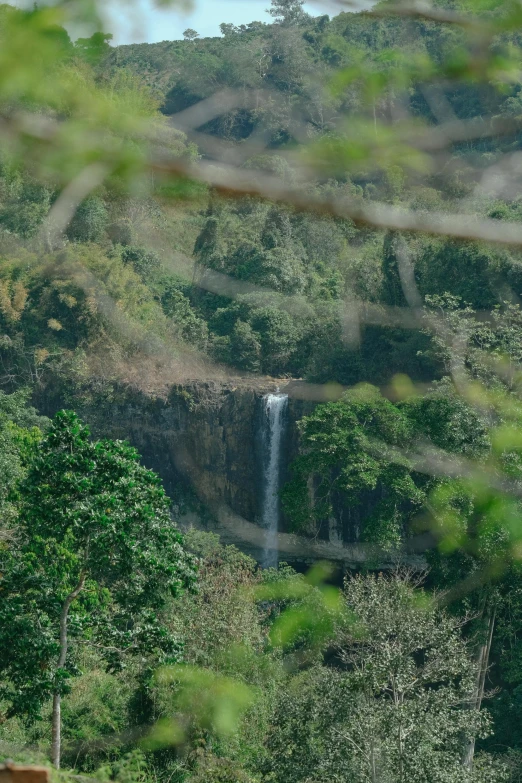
(56, 735)
(373, 763)
(56, 742)
(475, 702)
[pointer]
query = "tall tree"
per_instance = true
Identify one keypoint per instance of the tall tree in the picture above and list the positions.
(98, 556)
(390, 707)
(288, 12)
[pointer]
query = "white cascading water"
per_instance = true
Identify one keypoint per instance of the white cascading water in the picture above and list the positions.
(274, 420)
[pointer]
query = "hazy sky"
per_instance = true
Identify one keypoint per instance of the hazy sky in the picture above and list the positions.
(150, 24)
(146, 23)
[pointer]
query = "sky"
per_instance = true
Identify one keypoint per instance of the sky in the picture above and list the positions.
(151, 24)
(148, 24)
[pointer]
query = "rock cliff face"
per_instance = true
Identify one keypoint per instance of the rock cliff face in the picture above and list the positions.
(204, 440)
(206, 435)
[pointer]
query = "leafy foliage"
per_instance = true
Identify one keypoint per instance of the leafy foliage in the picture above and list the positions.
(383, 680)
(95, 526)
(342, 452)
(394, 705)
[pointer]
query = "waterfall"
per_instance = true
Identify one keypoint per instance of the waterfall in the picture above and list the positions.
(274, 420)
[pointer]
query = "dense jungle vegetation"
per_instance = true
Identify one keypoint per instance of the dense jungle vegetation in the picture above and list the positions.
(297, 269)
(132, 652)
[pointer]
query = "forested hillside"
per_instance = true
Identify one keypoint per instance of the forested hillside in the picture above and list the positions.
(298, 269)
(334, 200)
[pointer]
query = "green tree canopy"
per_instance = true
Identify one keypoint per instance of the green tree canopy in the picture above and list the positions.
(97, 557)
(391, 706)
